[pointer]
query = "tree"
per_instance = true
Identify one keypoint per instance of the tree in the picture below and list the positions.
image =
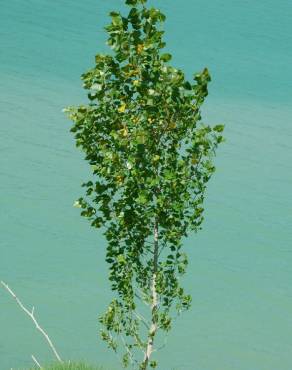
(151, 158)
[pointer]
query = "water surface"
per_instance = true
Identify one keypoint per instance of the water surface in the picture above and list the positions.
(240, 264)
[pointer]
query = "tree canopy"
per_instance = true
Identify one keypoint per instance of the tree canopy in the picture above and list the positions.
(151, 158)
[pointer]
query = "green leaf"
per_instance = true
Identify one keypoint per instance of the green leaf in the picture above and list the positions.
(142, 199)
(218, 128)
(114, 14)
(166, 57)
(121, 259)
(187, 85)
(131, 2)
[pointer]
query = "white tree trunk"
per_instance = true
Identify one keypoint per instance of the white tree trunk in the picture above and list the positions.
(154, 326)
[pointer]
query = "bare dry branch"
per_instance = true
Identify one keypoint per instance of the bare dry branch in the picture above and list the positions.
(36, 362)
(31, 315)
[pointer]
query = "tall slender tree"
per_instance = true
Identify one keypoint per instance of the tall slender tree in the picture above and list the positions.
(151, 158)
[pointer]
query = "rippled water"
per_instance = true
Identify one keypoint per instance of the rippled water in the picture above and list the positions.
(240, 272)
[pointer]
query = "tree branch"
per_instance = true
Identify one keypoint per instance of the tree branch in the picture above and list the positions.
(31, 315)
(142, 319)
(36, 362)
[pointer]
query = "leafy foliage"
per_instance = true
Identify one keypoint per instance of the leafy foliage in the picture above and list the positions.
(151, 158)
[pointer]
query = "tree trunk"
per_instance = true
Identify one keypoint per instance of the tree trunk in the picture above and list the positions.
(154, 305)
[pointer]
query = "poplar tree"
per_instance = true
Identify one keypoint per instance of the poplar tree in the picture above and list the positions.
(151, 158)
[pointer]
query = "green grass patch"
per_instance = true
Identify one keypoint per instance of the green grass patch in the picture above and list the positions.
(71, 366)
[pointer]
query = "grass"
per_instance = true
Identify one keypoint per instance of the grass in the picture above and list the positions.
(71, 366)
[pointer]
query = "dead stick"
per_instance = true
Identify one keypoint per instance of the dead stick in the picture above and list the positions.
(31, 315)
(36, 362)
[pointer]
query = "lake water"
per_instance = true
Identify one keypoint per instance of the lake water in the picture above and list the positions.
(240, 273)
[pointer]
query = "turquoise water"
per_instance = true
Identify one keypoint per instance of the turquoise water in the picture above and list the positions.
(240, 272)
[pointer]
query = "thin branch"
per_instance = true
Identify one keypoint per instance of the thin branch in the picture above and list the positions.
(128, 350)
(31, 315)
(140, 299)
(142, 319)
(161, 248)
(118, 356)
(163, 345)
(140, 294)
(36, 362)
(139, 343)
